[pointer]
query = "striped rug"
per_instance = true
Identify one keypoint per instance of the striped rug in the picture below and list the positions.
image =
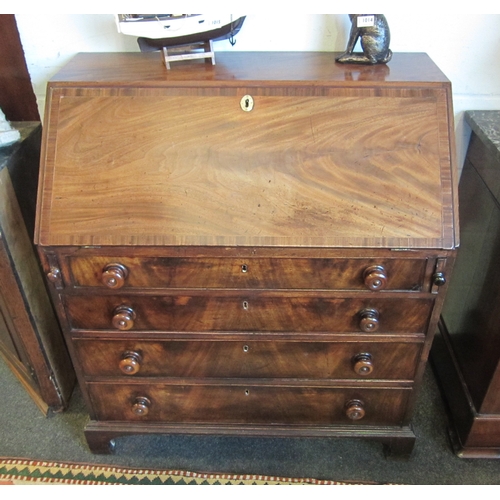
(18, 471)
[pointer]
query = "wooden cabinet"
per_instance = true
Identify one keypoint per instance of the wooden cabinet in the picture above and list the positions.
(467, 352)
(273, 271)
(31, 341)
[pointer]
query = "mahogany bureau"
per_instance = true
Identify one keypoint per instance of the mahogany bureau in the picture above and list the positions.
(258, 247)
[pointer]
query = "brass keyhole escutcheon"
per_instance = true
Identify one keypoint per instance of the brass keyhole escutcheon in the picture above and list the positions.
(246, 103)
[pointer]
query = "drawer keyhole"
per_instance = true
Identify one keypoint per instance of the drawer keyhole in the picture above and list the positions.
(244, 268)
(246, 348)
(245, 305)
(246, 103)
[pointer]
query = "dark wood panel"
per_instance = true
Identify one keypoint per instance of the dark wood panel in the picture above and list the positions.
(467, 352)
(248, 358)
(253, 312)
(40, 359)
(484, 432)
(247, 404)
(470, 311)
(17, 99)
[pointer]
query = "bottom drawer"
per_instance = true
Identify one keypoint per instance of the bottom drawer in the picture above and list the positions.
(248, 404)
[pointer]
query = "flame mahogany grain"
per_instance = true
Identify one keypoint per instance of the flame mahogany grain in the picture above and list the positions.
(215, 265)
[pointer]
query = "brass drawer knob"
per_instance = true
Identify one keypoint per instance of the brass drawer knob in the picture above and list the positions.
(114, 275)
(123, 318)
(140, 406)
(369, 322)
(375, 278)
(363, 364)
(354, 409)
(130, 362)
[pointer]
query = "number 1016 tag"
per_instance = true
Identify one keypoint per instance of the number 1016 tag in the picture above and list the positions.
(366, 21)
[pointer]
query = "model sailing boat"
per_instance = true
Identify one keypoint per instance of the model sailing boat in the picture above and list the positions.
(156, 31)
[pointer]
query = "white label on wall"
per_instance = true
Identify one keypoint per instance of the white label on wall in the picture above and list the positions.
(366, 21)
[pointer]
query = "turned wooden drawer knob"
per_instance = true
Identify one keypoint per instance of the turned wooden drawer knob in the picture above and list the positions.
(354, 409)
(114, 275)
(363, 364)
(130, 363)
(123, 318)
(439, 279)
(369, 320)
(140, 406)
(54, 274)
(375, 278)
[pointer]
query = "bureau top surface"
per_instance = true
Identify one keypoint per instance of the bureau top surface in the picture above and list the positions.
(132, 68)
(327, 155)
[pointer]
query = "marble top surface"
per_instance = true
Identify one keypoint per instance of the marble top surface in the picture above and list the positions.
(486, 125)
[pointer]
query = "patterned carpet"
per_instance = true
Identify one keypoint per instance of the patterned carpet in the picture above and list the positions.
(21, 472)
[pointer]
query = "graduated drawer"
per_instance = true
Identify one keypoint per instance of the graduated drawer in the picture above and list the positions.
(248, 359)
(247, 404)
(244, 273)
(257, 312)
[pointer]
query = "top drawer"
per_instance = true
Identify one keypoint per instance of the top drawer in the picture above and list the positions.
(246, 273)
